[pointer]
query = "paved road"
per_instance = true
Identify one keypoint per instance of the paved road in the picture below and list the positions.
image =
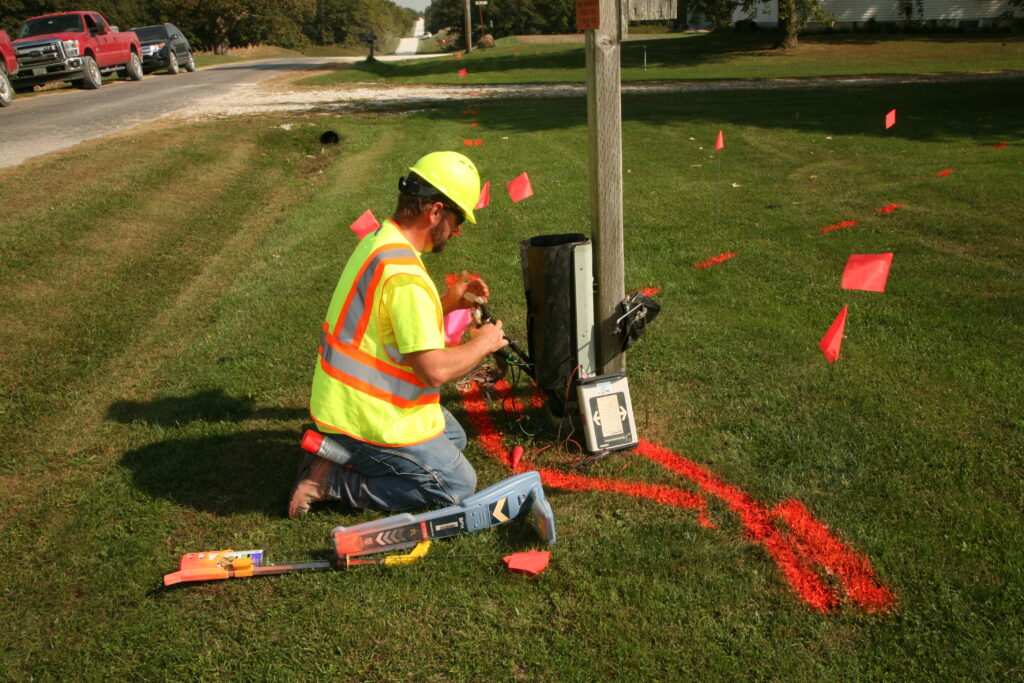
(408, 46)
(45, 123)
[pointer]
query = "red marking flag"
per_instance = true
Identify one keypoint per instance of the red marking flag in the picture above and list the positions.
(867, 272)
(833, 339)
(943, 174)
(999, 146)
(478, 142)
(890, 119)
(650, 291)
(467, 143)
(462, 73)
(485, 197)
(517, 455)
(520, 188)
(719, 142)
(474, 124)
(839, 226)
(533, 562)
(365, 224)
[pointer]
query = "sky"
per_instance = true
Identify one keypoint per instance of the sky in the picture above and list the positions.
(418, 5)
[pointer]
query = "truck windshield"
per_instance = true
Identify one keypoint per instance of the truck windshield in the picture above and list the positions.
(151, 33)
(62, 23)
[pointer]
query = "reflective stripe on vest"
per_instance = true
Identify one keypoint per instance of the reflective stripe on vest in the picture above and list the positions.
(361, 370)
(355, 314)
(340, 355)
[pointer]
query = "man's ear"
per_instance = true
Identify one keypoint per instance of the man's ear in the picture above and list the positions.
(435, 212)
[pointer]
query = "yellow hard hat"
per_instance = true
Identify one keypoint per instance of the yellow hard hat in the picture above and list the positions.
(454, 176)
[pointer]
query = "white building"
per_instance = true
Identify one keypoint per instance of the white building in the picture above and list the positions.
(849, 12)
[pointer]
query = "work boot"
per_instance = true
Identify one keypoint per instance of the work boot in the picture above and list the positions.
(311, 484)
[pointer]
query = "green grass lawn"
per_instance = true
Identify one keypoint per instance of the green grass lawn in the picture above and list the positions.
(703, 56)
(160, 327)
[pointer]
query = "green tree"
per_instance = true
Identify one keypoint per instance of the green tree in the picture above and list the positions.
(504, 17)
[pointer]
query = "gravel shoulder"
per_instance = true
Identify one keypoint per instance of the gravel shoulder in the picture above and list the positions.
(281, 94)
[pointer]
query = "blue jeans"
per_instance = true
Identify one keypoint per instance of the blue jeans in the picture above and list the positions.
(434, 472)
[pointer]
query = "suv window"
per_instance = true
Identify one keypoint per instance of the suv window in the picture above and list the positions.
(151, 33)
(64, 23)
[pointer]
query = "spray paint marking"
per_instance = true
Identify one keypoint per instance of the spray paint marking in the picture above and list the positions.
(715, 260)
(801, 546)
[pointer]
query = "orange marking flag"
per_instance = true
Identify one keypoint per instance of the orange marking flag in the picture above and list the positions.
(485, 197)
(462, 73)
(868, 272)
(943, 174)
(833, 339)
(365, 224)
(890, 119)
(520, 188)
(533, 562)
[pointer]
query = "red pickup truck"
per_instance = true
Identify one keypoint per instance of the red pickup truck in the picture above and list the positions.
(8, 65)
(74, 46)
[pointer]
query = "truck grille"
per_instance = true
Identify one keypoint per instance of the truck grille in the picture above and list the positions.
(36, 55)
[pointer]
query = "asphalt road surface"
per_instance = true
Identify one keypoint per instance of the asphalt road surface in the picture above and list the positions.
(45, 123)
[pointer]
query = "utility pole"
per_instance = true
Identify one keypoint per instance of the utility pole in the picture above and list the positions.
(602, 22)
(605, 23)
(469, 29)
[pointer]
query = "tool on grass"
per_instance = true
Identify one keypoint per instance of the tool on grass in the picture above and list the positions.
(521, 495)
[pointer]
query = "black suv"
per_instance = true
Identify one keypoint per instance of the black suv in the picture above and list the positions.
(164, 47)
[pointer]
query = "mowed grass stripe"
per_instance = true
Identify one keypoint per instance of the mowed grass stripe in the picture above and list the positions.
(906, 447)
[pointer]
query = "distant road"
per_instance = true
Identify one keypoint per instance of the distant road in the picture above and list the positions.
(408, 46)
(46, 123)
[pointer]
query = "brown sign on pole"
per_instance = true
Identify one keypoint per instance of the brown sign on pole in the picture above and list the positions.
(588, 15)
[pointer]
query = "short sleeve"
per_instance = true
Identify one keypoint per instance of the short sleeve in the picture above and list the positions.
(411, 311)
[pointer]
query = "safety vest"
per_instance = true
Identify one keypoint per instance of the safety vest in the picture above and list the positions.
(362, 387)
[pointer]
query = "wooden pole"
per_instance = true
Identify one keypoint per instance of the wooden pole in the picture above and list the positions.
(469, 29)
(604, 124)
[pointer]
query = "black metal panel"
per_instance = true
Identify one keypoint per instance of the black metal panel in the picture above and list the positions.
(549, 280)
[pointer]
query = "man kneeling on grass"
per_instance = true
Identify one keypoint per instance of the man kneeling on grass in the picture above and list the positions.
(382, 357)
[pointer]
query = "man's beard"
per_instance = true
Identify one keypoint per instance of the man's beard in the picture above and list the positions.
(437, 238)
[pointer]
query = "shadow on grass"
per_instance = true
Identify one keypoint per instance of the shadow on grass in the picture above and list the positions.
(987, 110)
(206, 406)
(245, 471)
(682, 51)
(250, 471)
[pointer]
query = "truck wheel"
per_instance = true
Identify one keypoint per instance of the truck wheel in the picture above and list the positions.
(5, 89)
(190, 63)
(172, 63)
(91, 76)
(134, 68)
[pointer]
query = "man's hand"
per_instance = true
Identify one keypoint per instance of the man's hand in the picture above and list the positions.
(437, 366)
(489, 336)
(454, 298)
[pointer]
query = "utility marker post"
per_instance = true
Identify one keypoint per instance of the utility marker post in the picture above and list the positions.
(602, 22)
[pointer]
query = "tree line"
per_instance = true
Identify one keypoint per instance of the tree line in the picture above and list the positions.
(531, 17)
(218, 24)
